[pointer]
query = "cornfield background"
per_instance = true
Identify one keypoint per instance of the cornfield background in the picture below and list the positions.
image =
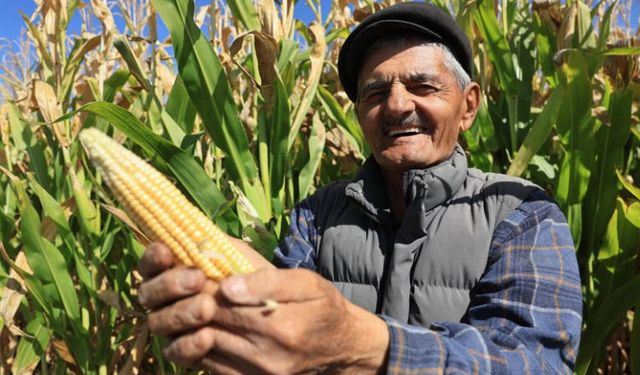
(242, 107)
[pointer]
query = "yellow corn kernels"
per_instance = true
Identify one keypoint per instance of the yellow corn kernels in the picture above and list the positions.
(161, 210)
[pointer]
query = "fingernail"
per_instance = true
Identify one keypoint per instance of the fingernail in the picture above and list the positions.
(235, 289)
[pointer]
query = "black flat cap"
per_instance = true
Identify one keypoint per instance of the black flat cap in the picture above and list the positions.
(425, 19)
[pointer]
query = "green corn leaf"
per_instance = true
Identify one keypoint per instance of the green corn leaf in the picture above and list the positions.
(191, 175)
(125, 51)
(158, 117)
(316, 143)
(545, 46)
(605, 28)
(114, 83)
(623, 51)
(538, 134)
(245, 11)
(21, 135)
(289, 53)
(211, 94)
(31, 348)
(575, 127)
(179, 106)
(111, 87)
(497, 47)
(600, 323)
(633, 214)
(601, 196)
(630, 187)
(24, 140)
(616, 251)
(334, 34)
(47, 261)
(278, 129)
(51, 206)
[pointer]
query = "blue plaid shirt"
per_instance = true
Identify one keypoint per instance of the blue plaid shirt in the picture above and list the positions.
(525, 312)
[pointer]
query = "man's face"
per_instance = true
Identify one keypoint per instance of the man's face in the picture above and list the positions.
(411, 108)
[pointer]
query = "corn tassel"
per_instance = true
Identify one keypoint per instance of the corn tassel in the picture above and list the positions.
(164, 214)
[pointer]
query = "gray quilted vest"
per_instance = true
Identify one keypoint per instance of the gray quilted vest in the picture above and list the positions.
(423, 270)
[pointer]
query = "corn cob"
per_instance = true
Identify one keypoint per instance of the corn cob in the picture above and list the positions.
(164, 214)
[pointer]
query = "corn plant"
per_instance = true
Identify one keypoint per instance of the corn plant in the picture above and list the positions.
(241, 107)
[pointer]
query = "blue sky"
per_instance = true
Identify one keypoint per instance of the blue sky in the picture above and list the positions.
(11, 23)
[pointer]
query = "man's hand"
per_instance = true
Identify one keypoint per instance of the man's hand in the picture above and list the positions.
(228, 329)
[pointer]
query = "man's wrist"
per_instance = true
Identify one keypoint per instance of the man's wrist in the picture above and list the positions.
(369, 337)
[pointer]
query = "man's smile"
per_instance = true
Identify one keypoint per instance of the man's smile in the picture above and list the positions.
(402, 132)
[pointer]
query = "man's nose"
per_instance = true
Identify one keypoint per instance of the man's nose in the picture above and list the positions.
(399, 101)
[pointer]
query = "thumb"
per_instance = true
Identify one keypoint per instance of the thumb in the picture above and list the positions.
(273, 284)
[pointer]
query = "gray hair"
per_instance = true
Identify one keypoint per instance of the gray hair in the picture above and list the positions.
(450, 62)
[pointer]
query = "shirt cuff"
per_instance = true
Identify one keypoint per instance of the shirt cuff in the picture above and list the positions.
(413, 349)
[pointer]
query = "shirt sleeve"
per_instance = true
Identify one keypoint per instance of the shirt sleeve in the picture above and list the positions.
(525, 312)
(298, 248)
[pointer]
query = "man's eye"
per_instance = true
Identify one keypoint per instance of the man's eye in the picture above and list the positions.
(422, 89)
(374, 96)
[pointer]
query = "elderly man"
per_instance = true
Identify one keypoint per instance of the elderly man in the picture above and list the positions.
(418, 265)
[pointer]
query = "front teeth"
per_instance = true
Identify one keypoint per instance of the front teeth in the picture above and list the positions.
(395, 132)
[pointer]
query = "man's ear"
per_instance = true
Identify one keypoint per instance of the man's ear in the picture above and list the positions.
(470, 103)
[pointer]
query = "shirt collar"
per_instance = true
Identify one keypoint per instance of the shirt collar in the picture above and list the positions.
(424, 188)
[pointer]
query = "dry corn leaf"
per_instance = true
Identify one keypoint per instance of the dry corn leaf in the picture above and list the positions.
(46, 98)
(550, 13)
(267, 53)
(164, 77)
(63, 351)
(318, 50)
(21, 272)
(266, 50)
(120, 214)
(4, 124)
(269, 18)
(14, 291)
(575, 20)
(111, 298)
(136, 354)
(201, 15)
(103, 13)
(365, 11)
(54, 14)
(568, 27)
(47, 101)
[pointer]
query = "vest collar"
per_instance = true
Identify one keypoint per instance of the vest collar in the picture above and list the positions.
(424, 188)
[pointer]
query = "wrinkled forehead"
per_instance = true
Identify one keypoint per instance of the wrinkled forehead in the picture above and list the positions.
(390, 61)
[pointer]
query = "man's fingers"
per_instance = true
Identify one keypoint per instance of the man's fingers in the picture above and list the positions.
(171, 285)
(191, 348)
(184, 315)
(272, 284)
(227, 365)
(156, 258)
